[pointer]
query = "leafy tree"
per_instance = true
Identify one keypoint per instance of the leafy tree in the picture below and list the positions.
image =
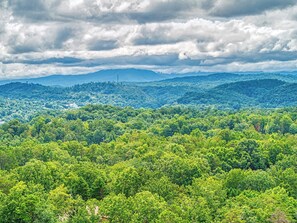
(26, 203)
(127, 182)
(146, 207)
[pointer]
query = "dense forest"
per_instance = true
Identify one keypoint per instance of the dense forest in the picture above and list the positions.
(102, 163)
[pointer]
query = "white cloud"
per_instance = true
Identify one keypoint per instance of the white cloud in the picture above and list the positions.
(167, 35)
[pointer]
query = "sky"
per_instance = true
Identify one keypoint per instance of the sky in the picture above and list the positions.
(44, 37)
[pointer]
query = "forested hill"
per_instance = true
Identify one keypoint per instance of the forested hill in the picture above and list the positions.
(178, 165)
(31, 98)
(29, 90)
(106, 93)
(22, 100)
(256, 93)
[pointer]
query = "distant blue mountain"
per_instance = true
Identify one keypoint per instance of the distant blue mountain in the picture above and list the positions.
(113, 75)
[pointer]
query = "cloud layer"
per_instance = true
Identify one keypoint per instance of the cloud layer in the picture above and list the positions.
(75, 36)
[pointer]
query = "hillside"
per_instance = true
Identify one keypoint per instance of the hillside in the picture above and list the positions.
(22, 100)
(255, 93)
(215, 79)
(29, 90)
(264, 93)
(112, 93)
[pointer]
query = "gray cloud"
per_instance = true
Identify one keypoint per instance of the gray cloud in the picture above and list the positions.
(116, 11)
(81, 35)
(98, 45)
(62, 34)
(36, 10)
(247, 7)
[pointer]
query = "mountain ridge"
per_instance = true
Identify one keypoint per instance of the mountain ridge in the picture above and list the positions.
(111, 75)
(255, 93)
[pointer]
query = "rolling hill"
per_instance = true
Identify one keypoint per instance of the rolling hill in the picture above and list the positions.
(255, 93)
(101, 92)
(264, 93)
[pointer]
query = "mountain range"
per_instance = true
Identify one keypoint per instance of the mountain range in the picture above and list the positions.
(113, 75)
(264, 93)
(131, 75)
(223, 91)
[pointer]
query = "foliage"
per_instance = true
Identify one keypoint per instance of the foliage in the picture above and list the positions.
(102, 163)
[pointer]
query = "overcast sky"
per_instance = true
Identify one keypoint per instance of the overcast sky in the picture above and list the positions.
(42, 37)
